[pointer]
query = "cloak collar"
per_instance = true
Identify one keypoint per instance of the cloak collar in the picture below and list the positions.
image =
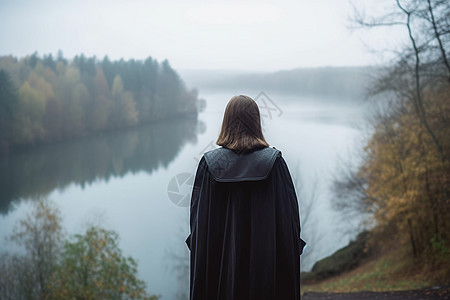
(225, 165)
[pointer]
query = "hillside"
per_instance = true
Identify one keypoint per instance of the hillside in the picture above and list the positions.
(390, 268)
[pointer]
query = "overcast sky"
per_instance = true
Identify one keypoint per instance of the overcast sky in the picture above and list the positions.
(246, 35)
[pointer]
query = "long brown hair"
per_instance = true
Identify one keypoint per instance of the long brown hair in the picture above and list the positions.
(241, 126)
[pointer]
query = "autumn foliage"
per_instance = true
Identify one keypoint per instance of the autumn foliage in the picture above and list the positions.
(404, 179)
(43, 99)
(92, 266)
(407, 179)
(84, 266)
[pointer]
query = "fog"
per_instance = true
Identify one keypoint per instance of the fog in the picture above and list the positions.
(114, 102)
(239, 35)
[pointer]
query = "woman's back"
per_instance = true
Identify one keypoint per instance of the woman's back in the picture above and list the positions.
(245, 229)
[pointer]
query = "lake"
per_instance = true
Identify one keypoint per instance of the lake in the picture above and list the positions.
(137, 182)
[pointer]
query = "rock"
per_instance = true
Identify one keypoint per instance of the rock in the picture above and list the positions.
(344, 259)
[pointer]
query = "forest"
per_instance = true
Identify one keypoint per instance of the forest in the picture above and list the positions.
(403, 181)
(46, 99)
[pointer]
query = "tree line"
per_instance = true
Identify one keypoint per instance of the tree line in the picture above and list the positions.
(47, 99)
(404, 180)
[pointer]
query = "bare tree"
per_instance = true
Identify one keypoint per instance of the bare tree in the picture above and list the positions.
(427, 25)
(40, 233)
(308, 200)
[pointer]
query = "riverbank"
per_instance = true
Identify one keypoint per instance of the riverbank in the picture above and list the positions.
(385, 269)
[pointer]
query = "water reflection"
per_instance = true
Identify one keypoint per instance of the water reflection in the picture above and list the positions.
(37, 172)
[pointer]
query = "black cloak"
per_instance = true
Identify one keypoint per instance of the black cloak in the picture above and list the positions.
(245, 228)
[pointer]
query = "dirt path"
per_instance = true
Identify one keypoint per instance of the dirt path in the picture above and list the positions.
(432, 293)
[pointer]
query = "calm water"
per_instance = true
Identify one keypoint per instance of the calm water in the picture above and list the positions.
(136, 182)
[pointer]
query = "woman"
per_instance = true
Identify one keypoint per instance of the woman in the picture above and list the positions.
(245, 227)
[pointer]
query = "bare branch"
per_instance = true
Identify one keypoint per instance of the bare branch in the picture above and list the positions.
(438, 38)
(418, 97)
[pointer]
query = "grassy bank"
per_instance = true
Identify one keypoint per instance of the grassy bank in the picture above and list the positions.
(389, 269)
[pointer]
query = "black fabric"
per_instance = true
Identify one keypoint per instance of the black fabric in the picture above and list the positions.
(245, 235)
(227, 166)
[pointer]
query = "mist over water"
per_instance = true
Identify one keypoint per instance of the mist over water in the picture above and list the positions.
(121, 180)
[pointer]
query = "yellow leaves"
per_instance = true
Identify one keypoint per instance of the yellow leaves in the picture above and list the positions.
(124, 104)
(97, 269)
(117, 87)
(28, 115)
(80, 94)
(72, 75)
(129, 109)
(404, 171)
(41, 227)
(40, 84)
